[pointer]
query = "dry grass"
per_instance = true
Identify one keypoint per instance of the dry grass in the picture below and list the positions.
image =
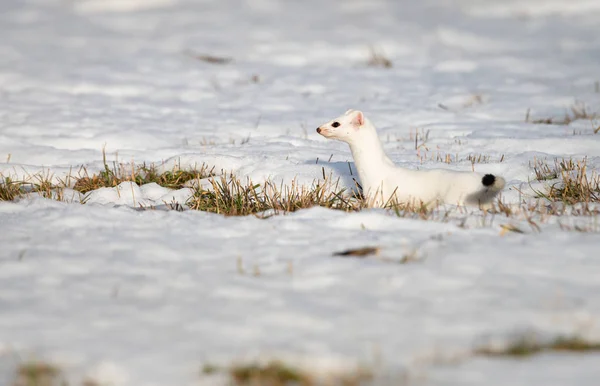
(45, 184)
(581, 217)
(378, 59)
(277, 373)
(529, 344)
(38, 374)
(11, 190)
(575, 185)
(575, 112)
(274, 373)
(520, 346)
(569, 198)
(545, 172)
(231, 197)
(414, 210)
(110, 177)
(570, 191)
(271, 374)
(172, 179)
(447, 158)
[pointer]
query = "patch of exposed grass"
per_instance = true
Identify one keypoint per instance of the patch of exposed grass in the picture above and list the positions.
(110, 177)
(271, 374)
(575, 184)
(9, 189)
(575, 112)
(43, 185)
(526, 345)
(38, 374)
(521, 346)
(172, 179)
(543, 171)
(571, 192)
(277, 373)
(231, 197)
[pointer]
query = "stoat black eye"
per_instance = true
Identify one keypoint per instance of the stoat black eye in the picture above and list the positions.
(335, 124)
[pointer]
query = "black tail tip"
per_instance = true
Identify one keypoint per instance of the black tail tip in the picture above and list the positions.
(488, 180)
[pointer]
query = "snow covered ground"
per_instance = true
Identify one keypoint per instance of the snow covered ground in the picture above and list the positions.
(130, 297)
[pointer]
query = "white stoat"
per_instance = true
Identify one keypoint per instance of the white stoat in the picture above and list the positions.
(383, 181)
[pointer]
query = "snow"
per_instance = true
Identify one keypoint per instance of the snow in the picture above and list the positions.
(146, 297)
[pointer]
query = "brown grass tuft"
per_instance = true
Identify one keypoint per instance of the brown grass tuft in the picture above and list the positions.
(44, 183)
(110, 177)
(231, 197)
(575, 185)
(378, 59)
(41, 184)
(38, 374)
(529, 344)
(575, 112)
(277, 373)
(9, 189)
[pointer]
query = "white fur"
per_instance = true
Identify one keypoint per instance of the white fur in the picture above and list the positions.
(383, 182)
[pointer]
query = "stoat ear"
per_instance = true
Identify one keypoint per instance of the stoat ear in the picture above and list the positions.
(358, 119)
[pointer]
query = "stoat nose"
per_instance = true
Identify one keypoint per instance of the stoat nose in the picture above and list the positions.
(319, 130)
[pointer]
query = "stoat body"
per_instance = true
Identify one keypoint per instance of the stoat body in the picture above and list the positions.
(383, 182)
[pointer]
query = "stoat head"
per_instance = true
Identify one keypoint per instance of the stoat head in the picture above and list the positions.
(346, 127)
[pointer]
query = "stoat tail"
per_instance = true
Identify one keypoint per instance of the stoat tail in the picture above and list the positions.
(490, 186)
(493, 183)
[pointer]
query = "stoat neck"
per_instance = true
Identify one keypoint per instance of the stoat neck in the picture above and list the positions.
(369, 157)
